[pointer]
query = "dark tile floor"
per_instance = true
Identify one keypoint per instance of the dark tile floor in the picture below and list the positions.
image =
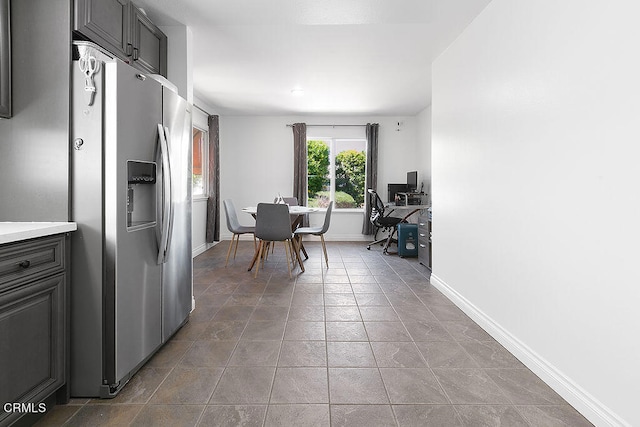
(366, 342)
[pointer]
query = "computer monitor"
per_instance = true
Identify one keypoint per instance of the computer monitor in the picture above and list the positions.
(412, 181)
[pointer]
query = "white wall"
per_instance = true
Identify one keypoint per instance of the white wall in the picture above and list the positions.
(199, 204)
(423, 128)
(535, 191)
(180, 59)
(256, 154)
(34, 142)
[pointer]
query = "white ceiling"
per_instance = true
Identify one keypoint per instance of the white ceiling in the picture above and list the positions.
(355, 57)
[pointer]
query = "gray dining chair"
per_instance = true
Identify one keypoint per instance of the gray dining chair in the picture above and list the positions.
(274, 225)
(289, 201)
(316, 231)
(234, 226)
(293, 201)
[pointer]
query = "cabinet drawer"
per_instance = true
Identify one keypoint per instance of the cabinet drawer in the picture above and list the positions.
(423, 244)
(424, 253)
(24, 261)
(423, 234)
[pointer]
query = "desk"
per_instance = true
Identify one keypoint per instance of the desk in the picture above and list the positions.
(411, 209)
(411, 198)
(297, 214)
(408, 210)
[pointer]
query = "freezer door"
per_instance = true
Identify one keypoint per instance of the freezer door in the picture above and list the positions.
(133, 279)
(178, 266)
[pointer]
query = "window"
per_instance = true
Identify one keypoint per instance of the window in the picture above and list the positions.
(200, 156)
(336, 172)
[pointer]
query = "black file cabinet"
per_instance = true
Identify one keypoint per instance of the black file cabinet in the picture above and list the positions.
(424, 238)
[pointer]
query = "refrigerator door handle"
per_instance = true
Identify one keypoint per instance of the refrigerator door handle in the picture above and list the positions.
(170, 180)
(163, 244)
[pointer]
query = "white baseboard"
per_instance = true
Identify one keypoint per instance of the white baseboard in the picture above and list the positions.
(340, 238)
(596, 412)
(202, 248)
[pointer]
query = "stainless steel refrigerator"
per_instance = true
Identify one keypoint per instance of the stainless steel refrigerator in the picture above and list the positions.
(131, 264)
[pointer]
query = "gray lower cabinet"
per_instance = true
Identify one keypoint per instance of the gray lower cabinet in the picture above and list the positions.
(33, 325)
(424, 239)
(124, 30)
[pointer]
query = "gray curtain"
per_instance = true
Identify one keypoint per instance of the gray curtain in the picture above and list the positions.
(372, 173)
(213, 201)
(300, 162)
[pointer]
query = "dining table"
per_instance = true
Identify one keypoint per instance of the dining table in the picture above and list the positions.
(297, 214)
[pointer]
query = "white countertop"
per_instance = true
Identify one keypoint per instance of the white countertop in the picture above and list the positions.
(16, 231)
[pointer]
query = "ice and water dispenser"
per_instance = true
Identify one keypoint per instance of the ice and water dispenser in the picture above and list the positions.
(141, 194)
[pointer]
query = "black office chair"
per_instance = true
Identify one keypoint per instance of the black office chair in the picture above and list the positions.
(381, 221)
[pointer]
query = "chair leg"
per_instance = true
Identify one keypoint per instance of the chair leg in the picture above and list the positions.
(301, 247)
(229, 251)
(376, 242)
(271, 246)
(324, 249)
(296, 248)
(389, 241)
(265, 252)
(236, 249)
(297, 241)
(259, 258)
(292, 246)
(287, 252)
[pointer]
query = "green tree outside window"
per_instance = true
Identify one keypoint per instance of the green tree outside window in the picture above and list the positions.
(350, 176)
(317, 167)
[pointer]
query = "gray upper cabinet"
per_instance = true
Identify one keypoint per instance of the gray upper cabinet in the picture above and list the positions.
(5, 60)
(149, 43)
(122, 29)
(106, 23)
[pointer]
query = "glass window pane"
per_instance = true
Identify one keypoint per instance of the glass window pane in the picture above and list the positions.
(336, 171)
(198, 162)
(318, 173)
(350, 163)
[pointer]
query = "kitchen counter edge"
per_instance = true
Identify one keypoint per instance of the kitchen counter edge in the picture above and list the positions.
(17, 231)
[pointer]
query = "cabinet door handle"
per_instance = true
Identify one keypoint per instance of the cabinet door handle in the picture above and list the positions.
(128, 49)
(135, 54)
(25, 264)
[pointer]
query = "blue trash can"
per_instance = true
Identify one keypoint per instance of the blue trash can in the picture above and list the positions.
(408, 240)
